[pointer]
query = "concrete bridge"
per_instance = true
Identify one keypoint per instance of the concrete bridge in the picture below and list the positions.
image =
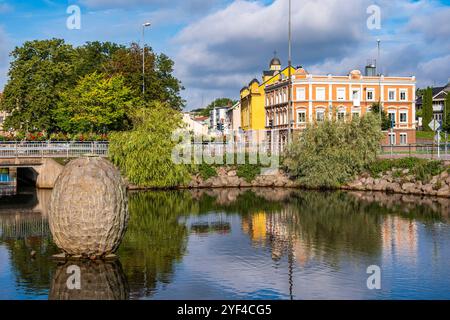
(35, 161)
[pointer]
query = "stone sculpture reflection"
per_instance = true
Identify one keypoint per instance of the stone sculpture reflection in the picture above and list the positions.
(99, 280)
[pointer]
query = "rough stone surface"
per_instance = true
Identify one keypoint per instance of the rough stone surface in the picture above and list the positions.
(48, 173)
(99, 280)
(88, 212)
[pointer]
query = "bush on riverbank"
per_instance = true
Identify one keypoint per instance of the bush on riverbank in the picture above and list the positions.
(144, 154)
(329, 154)
(422, 169)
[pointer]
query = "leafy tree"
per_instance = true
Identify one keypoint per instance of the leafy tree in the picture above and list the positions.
(93, 56)
(42, 72)
(96, 104)
(427, 106)
(329, 154)
(385, 123)
(160, 84)
(218, 103)
(144, 154)
(39, 72)
(446, 126)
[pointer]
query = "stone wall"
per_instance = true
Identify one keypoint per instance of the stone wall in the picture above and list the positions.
(400, 181)
(227, 178)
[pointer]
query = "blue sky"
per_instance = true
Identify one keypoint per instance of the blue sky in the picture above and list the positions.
(220, 45)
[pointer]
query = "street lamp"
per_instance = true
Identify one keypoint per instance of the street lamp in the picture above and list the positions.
(289, 72)
(145, 25)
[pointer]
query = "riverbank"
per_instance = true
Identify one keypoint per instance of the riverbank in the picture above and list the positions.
(398, 181)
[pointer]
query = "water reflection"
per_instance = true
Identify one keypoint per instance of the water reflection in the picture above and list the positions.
(99, 280)
(254, 244)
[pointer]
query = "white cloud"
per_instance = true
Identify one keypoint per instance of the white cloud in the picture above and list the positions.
(4, 52)
(237, 43)
(223, 51)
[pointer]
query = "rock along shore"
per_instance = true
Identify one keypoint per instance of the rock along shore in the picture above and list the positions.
(391, 181)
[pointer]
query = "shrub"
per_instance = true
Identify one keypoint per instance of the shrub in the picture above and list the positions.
(144, 154)
(248, 171)
(423, 169)
(206, 171)
(329, 154)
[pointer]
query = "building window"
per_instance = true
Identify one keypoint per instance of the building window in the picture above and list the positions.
(320, 116)
(341, 93)
(355, 95)
(301, 94)
(370, 95)
(403, 95)
(392, 116)
(341, 116)
(320, 94)
(391, 95)
(392, 138)
(355, 115)
(403, 116)
(301, 116)
(403, 138)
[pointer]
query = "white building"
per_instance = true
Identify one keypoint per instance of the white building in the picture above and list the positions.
(234, 117)
(195, 127)
(218, 119)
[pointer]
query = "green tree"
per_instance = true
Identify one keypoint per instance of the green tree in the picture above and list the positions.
(329, 154)
(96, 104)
(218, 103)
(385, 123)
(160, 84)
(427, 106)
(144, 154)
(446, 126)
(93, 56)
(39, 72)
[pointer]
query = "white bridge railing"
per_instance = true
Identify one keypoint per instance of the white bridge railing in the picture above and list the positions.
(26, 149)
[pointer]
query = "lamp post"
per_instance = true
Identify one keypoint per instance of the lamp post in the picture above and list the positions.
(145, 25)
(289, 73)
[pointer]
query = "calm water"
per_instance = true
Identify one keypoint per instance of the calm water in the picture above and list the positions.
(232, 244)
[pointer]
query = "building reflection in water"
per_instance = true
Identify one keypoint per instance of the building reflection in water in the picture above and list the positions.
(400, 238)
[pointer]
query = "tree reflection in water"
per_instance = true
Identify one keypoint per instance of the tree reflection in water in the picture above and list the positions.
(295, 225)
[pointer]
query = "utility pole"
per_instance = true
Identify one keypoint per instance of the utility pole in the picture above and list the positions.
(380, 107)
(147, 24)
(289, 74)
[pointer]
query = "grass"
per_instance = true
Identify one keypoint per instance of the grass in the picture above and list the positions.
(428, 135)
(423, 169)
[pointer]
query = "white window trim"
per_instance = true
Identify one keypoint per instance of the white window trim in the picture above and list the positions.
(395, 94)
(373, 94)
(324, 93)
(406, 138)
(406, 94)
(400, 116)
(320, 111)
(337, 93)
(395, 138)
(298, 117)
(302, 96)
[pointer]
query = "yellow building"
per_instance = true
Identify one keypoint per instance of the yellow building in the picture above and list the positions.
(253, 96)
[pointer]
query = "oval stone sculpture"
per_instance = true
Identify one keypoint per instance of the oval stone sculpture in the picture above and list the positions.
(88, 213)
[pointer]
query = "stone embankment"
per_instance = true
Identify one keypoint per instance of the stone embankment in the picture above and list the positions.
(402, 182)
(395, 181)
(228, 178)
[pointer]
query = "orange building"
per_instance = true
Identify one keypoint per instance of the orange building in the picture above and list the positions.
(320, 97)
